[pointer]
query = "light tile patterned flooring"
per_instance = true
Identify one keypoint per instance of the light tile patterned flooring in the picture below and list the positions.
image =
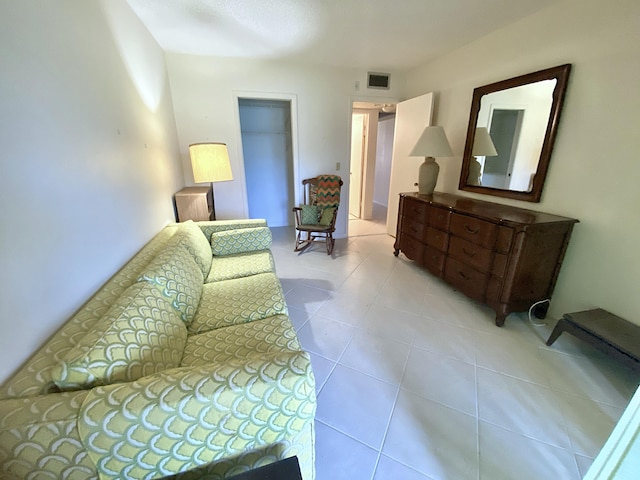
(415, 381)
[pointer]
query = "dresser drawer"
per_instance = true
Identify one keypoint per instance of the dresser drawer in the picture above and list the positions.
(437, 239)
(414, 210)
(434, 260)
(470, 253)
(439, 218)
(411, 247)
(476, 231)
(465, 278)
(413, 227)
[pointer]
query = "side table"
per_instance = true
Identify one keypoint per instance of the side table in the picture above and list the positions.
(608, 333)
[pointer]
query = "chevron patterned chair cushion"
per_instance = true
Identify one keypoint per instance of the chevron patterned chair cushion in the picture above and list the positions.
(231, 242)
(141, 334)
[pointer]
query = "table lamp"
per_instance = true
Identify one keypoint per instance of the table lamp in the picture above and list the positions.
(432, 143)
(210, 163)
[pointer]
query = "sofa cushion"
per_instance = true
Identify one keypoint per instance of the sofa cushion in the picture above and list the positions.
(139, 335)
(231, 242)
(241, 265)
(194, 240)
(175, 273)
(240, 300)
(269, 335)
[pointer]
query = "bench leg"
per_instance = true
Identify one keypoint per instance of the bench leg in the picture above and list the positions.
(557, 330)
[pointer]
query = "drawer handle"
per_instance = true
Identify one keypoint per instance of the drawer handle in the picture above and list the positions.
(469, 229)
(463, 275)
(413, 229)
(470, 254)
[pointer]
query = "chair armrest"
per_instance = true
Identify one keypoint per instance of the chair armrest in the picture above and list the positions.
(297, 212)
(183, 418)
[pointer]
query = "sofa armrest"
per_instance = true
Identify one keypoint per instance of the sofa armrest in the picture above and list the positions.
(208, 228)
(39, 437)
(187, 417)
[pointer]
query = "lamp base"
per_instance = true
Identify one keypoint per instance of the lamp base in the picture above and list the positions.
(428, 176)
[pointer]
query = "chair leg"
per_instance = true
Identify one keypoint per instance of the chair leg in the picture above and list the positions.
(330, 243)
(302, 243)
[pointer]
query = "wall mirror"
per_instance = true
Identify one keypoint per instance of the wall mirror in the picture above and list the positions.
(512, 128)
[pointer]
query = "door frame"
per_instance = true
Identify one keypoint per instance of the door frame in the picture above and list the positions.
(293, 101)
(368, 174)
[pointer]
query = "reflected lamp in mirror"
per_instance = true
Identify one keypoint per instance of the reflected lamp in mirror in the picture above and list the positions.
(482, 147)
(432, 143)
(210, 163)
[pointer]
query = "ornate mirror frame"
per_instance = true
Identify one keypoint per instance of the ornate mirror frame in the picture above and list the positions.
(561, 75)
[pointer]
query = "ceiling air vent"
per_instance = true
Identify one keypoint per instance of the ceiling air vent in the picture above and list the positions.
(378, 80)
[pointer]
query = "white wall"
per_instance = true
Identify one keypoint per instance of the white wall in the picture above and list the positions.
(594, 170)
(203, 91)
(89, 159)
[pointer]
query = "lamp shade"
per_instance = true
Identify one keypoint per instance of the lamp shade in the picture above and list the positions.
(482, 144)
(432, 143)
(210, 162)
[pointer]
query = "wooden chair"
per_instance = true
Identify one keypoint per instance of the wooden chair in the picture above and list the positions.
(316, 217)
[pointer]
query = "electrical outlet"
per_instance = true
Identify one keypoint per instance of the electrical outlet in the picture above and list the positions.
(338, 166)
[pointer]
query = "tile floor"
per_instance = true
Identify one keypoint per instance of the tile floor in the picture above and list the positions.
(415, 381)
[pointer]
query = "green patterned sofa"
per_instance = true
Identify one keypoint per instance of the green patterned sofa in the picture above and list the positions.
(185, 363)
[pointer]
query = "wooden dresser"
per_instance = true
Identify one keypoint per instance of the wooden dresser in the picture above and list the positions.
(505, 257)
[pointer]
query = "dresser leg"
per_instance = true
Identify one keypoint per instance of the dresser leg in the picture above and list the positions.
(501, 315)
(396, 252)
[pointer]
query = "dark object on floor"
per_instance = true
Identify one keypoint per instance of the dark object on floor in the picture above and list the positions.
(287, 469)
(608, 333)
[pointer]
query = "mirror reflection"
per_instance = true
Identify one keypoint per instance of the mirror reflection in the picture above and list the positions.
(512, 126)
(513, 122)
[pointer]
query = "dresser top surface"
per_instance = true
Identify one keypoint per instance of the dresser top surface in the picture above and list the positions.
(194, 190)
(482, 209)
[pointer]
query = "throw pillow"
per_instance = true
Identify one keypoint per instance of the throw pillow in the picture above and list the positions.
(327, 216)
(230, 242)
(310, 214)
(140, 334)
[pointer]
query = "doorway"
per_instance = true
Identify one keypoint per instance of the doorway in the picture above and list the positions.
(505, 132)
(265, 127)
(372, 131)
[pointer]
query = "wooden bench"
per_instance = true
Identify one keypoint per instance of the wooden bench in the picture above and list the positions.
(608, 333)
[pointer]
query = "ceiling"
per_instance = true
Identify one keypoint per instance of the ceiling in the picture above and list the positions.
(371, 34)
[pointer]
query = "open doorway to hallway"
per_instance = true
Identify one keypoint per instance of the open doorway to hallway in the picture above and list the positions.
(372, 132)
